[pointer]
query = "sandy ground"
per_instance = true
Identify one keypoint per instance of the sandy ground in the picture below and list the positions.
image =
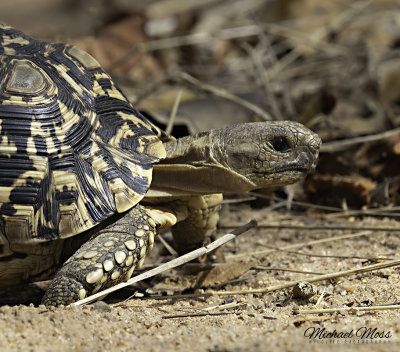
(254, 322)
(257, 322)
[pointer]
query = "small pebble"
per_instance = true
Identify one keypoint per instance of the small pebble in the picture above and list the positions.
(101, 306)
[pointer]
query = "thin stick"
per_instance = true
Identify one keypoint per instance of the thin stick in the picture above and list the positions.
(171, 264)
(340, 309)
(224, 306)
(205, 37)
(266, 83)
(382, 211)
(169, 248)
(319, 35)
(271, 268)
(190, 39)
(321, 227)
(295, 202)
(299, 245)
(221, 93)
(364, 269)
(166, 8)
(323, 255)
(172, 117)
(321, 297)
(193, 315)
(185, 78)
(287, 284)
(337, 146)
(348, 213)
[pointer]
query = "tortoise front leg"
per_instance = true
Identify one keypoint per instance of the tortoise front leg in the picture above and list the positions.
(109, 257)
(200, 223)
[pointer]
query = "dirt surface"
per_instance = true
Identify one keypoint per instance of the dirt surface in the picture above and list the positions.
(328, 64)
(258, 322)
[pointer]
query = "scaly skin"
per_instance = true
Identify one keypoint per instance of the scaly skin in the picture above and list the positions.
(226, 160)
(77, 161)
(236, 158)
(105, 260)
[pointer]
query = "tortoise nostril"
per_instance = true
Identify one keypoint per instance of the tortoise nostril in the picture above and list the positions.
(281, 144)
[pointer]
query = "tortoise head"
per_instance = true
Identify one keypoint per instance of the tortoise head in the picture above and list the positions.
(268, 154)
(238, 158)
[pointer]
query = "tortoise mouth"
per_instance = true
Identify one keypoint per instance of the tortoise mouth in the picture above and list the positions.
(300, 169)
(287, 169)
(278, 178)
(303, 162)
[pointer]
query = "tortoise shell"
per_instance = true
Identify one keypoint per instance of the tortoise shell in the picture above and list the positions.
(73, 151)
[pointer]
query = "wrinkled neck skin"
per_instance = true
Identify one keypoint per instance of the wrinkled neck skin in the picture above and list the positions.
(191, 168)
(234, 159)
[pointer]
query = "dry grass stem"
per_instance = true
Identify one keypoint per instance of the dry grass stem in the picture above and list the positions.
(188, 80)
(173, 7)
(190, 39)
(337, 146)
(167, 246)
(272, 268)
(322, 227)
(172, 117)
(384, 265)
(260, 71)
(224, 306)
(318, 38)
(324, 255)
(347, 309)
(171, 264)
(321, 297)
(316, 278)
(303, 244)
(368, 212)
(390, 211)
(220, 93)
(194, 315)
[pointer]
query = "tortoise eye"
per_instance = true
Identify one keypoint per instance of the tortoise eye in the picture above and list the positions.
(281, 144)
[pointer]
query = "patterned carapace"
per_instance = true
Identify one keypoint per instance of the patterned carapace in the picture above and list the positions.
(73, 151)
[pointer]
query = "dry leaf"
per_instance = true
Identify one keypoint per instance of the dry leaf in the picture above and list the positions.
(115, 41)
(334, 188)
(221, 274)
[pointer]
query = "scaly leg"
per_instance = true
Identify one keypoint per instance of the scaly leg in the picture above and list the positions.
(109, 257)
(200, 224)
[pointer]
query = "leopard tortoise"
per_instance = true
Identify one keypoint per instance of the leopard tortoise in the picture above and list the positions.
(86, 182)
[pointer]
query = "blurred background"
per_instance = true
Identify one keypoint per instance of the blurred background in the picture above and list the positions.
(331, 65)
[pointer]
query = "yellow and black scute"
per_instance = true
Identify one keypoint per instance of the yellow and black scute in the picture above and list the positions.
(73, 151)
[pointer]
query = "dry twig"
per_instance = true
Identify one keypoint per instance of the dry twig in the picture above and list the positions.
(348, 309)
(190, 39)
(266, 83)
(171, 264)
(321, 227)
(188, 80)
(299, 245)
(319, 36)
(386, 264)
(172, 117)
(337, 146)
(183, 77)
